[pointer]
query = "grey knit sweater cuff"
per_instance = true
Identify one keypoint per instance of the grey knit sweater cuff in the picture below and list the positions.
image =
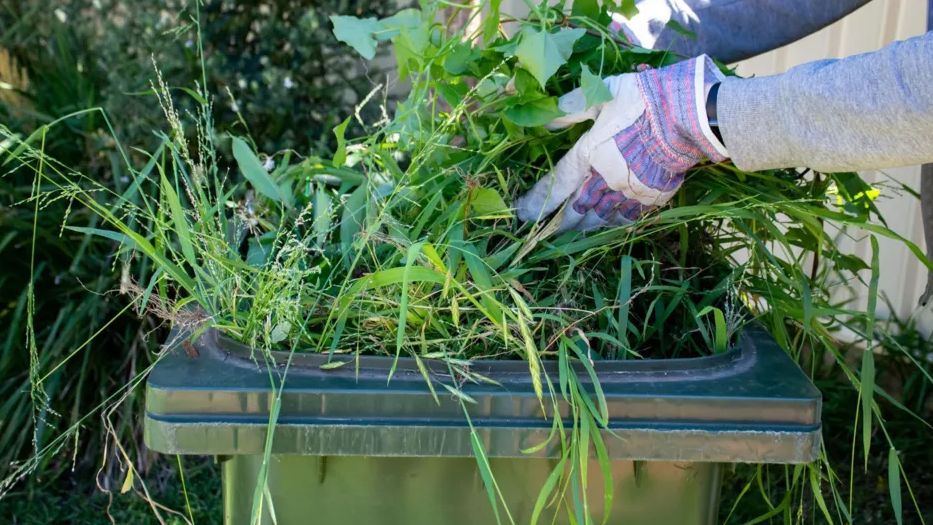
(867, 111)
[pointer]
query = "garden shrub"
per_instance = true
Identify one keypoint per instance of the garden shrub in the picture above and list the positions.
(277, 59)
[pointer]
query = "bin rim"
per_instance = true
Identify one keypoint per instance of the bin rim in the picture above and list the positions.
(751, 404)
(300, 362)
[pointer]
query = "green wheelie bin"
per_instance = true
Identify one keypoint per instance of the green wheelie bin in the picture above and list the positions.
(351, 446)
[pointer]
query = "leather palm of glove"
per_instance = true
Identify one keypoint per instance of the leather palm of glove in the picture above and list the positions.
(634, 157)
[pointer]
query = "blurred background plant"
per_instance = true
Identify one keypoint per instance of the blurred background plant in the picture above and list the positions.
(275, 60)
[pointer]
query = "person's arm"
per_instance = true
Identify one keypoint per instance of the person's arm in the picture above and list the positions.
(867, 111)
(731, 30)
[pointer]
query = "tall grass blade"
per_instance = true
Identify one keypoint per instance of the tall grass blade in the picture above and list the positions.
(894, 485)
(546, 489)
(414, 251)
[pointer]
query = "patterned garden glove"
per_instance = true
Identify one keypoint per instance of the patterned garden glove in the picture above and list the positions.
(634, 157)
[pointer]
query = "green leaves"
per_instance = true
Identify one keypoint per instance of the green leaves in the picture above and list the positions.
(894, 485)
(340, 156)
(459, 58)
(410, 257)
(536, 112)
(594, 89)
(628, 8)
(542, 52)
(721, 335)
(587, 8)
(180, 222)
(363, 34)
(253, 171)
(357, 32)
(491, 21)
(486, 203)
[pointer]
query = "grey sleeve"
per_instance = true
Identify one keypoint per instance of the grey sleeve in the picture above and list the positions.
(867, 111)
(732, 30)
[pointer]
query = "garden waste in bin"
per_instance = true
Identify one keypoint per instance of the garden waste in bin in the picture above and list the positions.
(352, 447)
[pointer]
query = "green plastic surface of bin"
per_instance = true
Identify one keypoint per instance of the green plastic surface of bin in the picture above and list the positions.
(351, 446)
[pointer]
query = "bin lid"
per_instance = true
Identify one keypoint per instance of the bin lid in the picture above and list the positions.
(214, 396)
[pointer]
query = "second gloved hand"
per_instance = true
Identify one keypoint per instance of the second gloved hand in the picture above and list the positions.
(634, 158)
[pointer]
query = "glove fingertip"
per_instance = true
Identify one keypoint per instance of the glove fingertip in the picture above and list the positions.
(526, 209)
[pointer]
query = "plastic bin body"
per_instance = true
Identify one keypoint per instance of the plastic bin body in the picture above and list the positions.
(430, 491)
(352, 447)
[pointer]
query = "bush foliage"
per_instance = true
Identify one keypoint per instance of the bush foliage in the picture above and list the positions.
(276, 61)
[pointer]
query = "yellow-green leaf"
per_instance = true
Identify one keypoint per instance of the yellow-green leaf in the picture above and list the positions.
(486, 203)
(127, 481)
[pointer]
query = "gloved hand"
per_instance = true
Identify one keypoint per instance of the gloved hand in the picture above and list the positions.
(634, 157)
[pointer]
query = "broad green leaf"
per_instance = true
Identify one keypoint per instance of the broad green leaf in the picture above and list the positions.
(628, 9)
(340, 156)
(452, 92)
(357, 32)
(587, 8)
(254, 172)
(894, 485)
(411, 35)
(258, 251)
(848, 262)
(459, 58)
(362, 34)
(594, 89)
(487, 203)
(535, 113)
(397, 24)
(526, 87)
(542, 52)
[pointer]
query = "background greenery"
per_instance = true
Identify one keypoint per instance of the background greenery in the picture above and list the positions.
(275, 61)
(281, 65)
